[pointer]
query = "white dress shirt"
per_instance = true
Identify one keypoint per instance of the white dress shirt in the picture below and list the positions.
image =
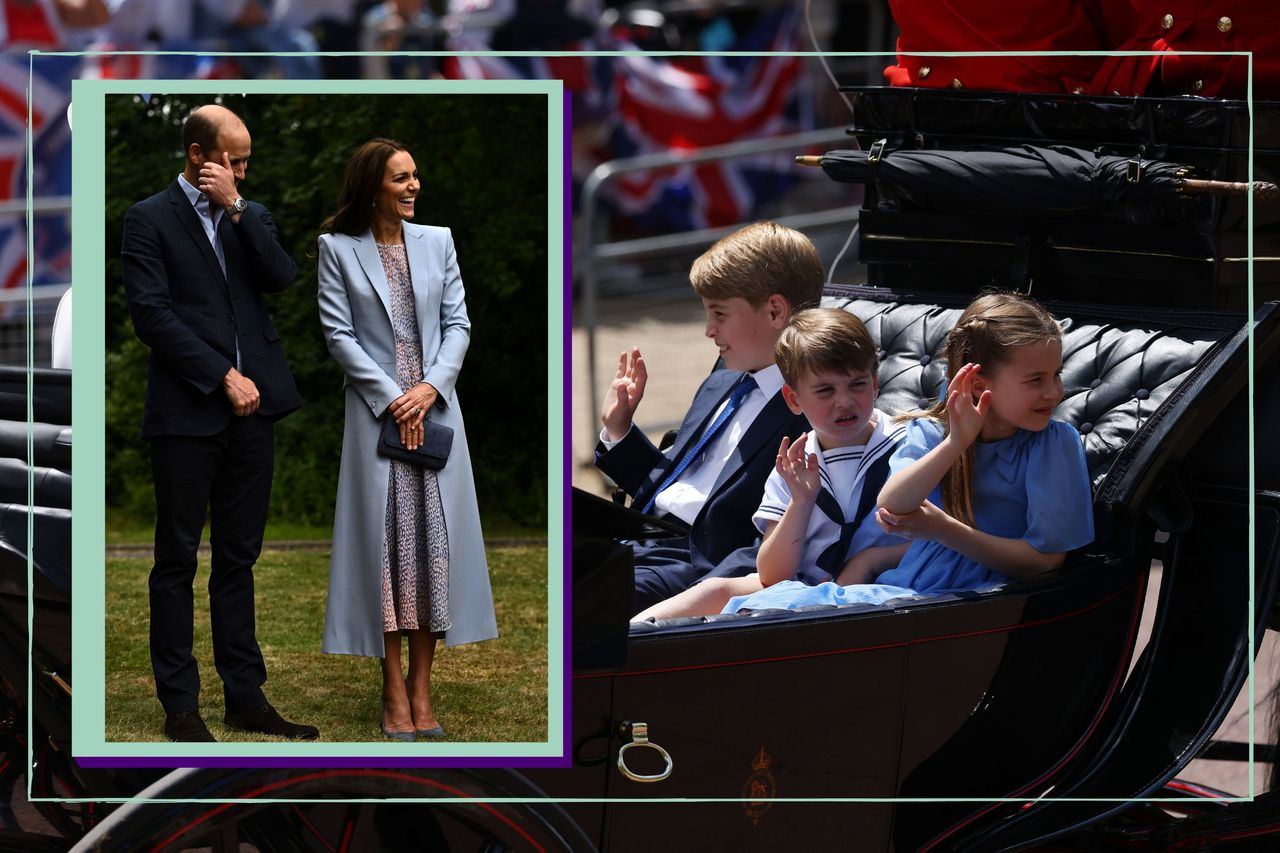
(686, 496)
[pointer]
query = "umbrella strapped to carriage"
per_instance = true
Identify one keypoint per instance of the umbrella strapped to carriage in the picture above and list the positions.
(1026, 178)
(1078, 198)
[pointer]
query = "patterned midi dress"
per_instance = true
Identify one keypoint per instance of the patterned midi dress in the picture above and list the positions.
(415, 557)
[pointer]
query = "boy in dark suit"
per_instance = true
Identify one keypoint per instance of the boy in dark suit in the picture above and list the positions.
(197, 258)
(712, 478)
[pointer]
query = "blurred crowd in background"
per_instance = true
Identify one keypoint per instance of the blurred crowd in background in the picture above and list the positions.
(639, 103)
(621, 106)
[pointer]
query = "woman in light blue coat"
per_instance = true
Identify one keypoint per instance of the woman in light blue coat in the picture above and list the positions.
(408, 555)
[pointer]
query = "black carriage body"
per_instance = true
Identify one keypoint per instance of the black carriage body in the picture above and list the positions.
(1034, 689)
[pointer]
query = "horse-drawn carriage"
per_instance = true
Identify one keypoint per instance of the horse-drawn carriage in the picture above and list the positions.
(1032, 697)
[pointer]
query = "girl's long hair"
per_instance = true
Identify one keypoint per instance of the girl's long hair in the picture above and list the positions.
(987, 332)
(360, 186)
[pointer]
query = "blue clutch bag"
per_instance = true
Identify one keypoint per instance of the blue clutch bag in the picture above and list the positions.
(433, 453)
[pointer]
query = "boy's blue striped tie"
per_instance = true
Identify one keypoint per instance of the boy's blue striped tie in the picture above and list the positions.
(744, 387)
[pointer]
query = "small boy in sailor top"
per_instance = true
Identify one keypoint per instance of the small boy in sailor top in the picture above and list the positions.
(817, 516)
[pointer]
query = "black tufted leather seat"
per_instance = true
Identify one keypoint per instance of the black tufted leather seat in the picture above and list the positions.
(1116, 370)
(49, 515)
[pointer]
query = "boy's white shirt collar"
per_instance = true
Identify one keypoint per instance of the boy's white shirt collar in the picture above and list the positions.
(768, 380)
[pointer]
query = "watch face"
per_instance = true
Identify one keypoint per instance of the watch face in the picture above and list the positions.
(240, 206)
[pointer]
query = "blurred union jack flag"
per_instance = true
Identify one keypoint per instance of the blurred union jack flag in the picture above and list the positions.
(51, 170)
(658, 104)
(699, 101)
(50, 80)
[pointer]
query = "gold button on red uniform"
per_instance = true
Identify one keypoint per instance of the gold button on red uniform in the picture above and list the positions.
(1186, 34)
(1179, 36)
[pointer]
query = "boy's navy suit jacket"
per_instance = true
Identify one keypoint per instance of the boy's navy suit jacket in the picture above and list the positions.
(724, 524)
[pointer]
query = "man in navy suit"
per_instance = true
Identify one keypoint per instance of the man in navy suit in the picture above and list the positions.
(712, 479)
(197, 259)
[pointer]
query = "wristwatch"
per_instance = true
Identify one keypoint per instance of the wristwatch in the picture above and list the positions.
(238, 206)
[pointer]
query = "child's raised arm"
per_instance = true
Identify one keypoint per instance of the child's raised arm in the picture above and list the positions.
(625, 392)
(908, 488)
(1059, 513)
(784, 542)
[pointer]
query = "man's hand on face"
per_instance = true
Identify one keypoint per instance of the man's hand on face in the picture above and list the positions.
(242, 393)
(218, 182)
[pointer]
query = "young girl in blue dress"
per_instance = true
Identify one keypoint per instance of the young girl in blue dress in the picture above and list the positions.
(986, 484)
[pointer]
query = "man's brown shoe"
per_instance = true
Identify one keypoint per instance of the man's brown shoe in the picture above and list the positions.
(266, 720)
(187, 727)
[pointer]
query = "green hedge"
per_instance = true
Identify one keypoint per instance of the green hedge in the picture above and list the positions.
(482, 159)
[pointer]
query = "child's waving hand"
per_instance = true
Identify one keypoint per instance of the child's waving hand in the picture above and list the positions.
(624, 394)
(798, 469)
(964, 415)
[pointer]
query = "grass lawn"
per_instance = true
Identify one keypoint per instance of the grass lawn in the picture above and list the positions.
(125, 529)
(495, 691)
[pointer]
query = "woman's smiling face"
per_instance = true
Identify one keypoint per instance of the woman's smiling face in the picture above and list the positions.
(395, 198)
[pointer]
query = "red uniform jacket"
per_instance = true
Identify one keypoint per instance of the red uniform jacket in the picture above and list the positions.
(972, 25)
(1173, 26)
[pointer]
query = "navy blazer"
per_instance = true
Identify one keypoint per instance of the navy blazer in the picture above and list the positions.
(724, 523)
(191, 315)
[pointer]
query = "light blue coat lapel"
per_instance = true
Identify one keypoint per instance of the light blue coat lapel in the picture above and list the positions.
(418, 249)
(371, 263)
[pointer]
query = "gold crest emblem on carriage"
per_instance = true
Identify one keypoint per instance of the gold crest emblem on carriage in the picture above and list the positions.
(760, 788)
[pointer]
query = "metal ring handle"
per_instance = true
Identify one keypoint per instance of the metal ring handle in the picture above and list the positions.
(640, 738)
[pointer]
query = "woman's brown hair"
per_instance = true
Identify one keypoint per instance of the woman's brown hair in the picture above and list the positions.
(360, 186)
(987, 332)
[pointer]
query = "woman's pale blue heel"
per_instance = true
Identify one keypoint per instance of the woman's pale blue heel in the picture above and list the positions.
(406, 737)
